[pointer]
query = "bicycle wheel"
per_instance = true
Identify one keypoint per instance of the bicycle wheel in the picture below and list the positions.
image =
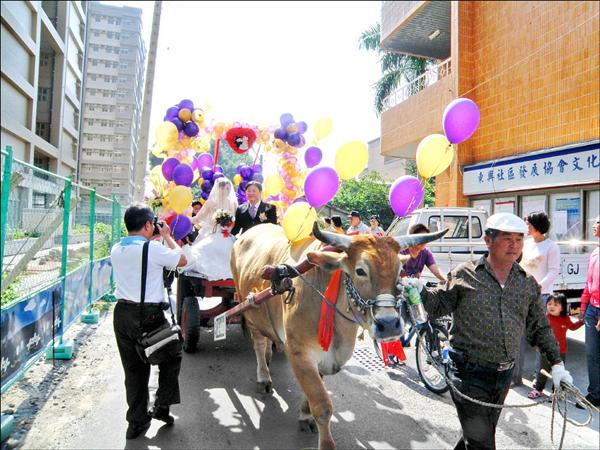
(429, 350)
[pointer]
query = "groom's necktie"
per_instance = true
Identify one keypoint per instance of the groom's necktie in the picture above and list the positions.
(252, 211)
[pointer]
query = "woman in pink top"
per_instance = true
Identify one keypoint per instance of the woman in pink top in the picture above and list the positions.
(590, 312)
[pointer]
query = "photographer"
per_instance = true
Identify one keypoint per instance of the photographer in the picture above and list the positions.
(126, 257)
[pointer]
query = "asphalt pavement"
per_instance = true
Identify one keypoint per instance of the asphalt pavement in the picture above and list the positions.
(375, 407)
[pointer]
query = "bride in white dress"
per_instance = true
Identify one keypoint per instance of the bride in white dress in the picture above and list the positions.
(222, 196)
(210, 253)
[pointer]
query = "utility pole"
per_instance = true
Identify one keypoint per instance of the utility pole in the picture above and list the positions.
(141, 157)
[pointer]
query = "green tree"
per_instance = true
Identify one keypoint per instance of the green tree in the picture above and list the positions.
(394, 67)
(367, 195)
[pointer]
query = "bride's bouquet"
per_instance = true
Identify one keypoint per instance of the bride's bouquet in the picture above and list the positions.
(224, 220)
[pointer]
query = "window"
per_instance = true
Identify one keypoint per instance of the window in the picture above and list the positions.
(123, 79)
(565, 212)
(123, 66)
(44, 59)
(111, 20)
(457, 225)
(39, 200)
(124, 51)
(593, 209)
(43, 94)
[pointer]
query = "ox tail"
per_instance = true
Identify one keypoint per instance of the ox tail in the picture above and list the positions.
(245, 330)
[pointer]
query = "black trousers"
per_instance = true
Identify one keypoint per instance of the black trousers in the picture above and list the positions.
(479, 422)
(137, 372)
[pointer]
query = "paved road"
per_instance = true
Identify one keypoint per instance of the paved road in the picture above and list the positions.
(374, 407)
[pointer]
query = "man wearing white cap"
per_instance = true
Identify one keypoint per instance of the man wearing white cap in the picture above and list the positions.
(494, 302)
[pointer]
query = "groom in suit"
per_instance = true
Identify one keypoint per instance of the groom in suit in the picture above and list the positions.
(253, 212)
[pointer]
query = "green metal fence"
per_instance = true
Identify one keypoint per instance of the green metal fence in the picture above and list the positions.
(55, 248)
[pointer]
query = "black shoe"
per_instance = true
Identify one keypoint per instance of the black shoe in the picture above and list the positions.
(134, 430)
(162, 413)
(592, 400)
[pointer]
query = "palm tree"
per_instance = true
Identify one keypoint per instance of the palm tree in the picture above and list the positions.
(394, 67)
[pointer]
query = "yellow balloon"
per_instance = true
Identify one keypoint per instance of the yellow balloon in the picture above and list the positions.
(434, 155)
(237, 179)
(166, 134)
(323, 127)
(198, 116)
(180, 198)
(273, 185)
(298, 221)
(351, 159)
(185, 115)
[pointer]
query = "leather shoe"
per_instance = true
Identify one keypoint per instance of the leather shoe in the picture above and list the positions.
(162, 413)
(589, 398)
(134, 430)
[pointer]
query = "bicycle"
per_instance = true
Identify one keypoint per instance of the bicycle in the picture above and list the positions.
(432, 348)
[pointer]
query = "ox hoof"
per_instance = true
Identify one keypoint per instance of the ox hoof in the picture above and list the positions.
(264, 387)
(308, 425)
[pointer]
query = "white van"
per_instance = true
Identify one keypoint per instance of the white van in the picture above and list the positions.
(464, 242)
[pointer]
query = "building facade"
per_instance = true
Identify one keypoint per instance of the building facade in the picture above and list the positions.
(389, 167)
(42, 71)
(533, 70)
(112, 101)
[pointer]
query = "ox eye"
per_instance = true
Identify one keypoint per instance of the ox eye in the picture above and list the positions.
(361, 272)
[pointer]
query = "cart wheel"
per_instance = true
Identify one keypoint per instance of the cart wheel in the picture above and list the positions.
(184, 289)
(190, 324)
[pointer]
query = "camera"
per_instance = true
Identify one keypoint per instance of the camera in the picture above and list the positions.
(156, 222)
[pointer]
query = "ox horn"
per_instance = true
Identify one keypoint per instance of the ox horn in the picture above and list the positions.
(339, 241)
(410, 240)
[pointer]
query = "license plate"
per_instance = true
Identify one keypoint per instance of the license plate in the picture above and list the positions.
(220, 327)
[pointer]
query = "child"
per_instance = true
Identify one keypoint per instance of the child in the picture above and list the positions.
(560, 322)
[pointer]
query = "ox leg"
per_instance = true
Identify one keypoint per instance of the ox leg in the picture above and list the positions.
(319, 402)
(264, 384)
(306, 421)
(269, 352)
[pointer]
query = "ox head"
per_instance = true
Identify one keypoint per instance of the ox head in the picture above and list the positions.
(371, 268)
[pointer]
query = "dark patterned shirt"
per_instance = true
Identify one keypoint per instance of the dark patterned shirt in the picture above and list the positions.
(489, 320)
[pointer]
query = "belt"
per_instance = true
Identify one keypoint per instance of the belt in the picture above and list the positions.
(161, 305)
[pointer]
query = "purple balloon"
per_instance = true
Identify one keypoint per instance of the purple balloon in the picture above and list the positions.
(258, 177)
(461, 118)
(243, 185)
(204, 159)
(186, 104)
(204, 195)
(207, 173)
(286, 119)
(406, 194)
(183, 175)
(238, 168)
(178, 123)
(313, 156)
(182, 225)
(191, 129)
(280, 134)
(302, 142)
(172, 112)
(302, 127)
(246, 172)
(217, 175)
(206, 186)
(321, 185)
(257, 168)
(218, 168)
(168, 166)
(293, 140)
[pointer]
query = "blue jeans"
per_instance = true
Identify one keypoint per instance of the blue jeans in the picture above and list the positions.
(592, 349)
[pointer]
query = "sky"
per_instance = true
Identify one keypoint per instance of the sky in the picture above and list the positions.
(253, 61)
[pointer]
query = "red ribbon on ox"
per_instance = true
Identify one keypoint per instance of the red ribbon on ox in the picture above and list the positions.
(328, 310)
(392, 348)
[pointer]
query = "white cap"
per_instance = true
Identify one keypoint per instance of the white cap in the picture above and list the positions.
(507, 222)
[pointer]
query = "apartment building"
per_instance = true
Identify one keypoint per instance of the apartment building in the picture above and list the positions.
(533, 70)
(42, 58)
(112, 99)
(389, 167)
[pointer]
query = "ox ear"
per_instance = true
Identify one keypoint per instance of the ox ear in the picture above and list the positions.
(328, 261)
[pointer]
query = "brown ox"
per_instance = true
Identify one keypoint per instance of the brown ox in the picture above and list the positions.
(373, 266)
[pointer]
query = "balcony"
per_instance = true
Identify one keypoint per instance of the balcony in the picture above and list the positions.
(419, 28)
(415, 110)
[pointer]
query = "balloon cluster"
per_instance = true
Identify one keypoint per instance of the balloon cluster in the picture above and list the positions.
(186, 119)
(243, 175)
(435, 154)
(291, 132)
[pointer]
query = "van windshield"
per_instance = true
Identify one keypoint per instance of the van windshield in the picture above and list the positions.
(399, 227)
